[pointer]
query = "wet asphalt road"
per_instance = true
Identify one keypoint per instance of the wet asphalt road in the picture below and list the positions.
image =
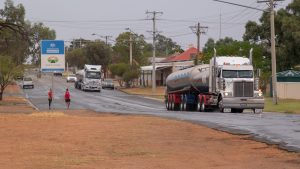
(273, 128)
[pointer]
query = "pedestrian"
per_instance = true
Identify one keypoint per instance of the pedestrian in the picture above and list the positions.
(67, 98)
(50, 97)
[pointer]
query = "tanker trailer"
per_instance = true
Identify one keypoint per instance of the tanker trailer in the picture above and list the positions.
(227, 83)
(183, 87)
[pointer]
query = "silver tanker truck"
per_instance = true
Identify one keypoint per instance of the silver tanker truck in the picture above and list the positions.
(227, 83)
(89, 78)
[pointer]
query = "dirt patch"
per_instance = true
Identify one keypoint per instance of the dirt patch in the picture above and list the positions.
(12, 89)
(13, 102)
(84, 139)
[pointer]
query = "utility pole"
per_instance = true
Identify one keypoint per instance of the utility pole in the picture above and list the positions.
(106, 39)
(154, 13)
(198, 30)
(220, 31)
(130, 45)
(130, 51)
(273, 49)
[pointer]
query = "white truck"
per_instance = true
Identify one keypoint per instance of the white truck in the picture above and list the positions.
(227, 83)
(89, 78)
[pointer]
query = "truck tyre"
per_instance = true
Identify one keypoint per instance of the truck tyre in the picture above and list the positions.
(220, 104)
(202, 106)
(171, 104)
(198, 106)
(183, 103)
(167, 104)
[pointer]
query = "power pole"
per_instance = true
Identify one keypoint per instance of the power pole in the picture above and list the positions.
(220, 31)
(106, 39)
(198, 30)
(273, 49)
(130, 45)
(154, 13)
(130, 51)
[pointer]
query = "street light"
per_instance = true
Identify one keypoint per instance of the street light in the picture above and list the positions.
(106, 37)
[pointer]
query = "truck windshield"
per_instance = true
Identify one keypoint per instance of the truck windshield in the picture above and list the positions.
(93, 75)
(237, 73)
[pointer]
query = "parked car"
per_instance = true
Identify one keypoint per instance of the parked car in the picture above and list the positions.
(71, 78)
(108, 83)
(27, 82)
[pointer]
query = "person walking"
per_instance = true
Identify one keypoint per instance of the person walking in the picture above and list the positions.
(50, 94)
(67, 98)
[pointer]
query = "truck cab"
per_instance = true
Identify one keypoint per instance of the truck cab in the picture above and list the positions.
(236, 85)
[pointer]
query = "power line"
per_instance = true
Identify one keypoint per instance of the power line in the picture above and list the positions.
(85, 21)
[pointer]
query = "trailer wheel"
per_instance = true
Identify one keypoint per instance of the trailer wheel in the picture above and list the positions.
(183, 104)
(167, 104)
(171, 104)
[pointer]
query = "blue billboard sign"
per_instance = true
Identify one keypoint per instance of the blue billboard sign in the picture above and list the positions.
(52, 56)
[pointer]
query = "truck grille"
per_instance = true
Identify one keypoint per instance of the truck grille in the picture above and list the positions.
(243, 89)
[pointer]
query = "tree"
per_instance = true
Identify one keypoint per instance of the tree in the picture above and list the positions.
(141, 49)
(118, 70)
(79, 43)
(76, 57)
(14, 32)
(8, 71)
(125, 73)
(165, 46)
(98, 53)
(287, 25)
(38, 32)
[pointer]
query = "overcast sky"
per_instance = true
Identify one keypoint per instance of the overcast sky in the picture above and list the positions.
(80, 18)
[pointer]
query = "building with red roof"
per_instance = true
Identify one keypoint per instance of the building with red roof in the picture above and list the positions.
(166, 66)
(187, 55)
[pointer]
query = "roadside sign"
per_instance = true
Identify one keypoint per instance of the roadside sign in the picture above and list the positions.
(52, 56)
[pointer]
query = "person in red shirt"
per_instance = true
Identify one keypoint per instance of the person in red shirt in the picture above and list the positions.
(67, 98)
(50, 97)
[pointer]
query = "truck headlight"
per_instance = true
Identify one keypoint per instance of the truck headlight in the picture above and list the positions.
(260, 94)
(228, 94)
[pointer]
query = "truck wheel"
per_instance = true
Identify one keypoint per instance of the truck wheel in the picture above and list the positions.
(167, 104)
(220, 105)
(183, 104)
(171, 104)
(198, 108)
(202, 106)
